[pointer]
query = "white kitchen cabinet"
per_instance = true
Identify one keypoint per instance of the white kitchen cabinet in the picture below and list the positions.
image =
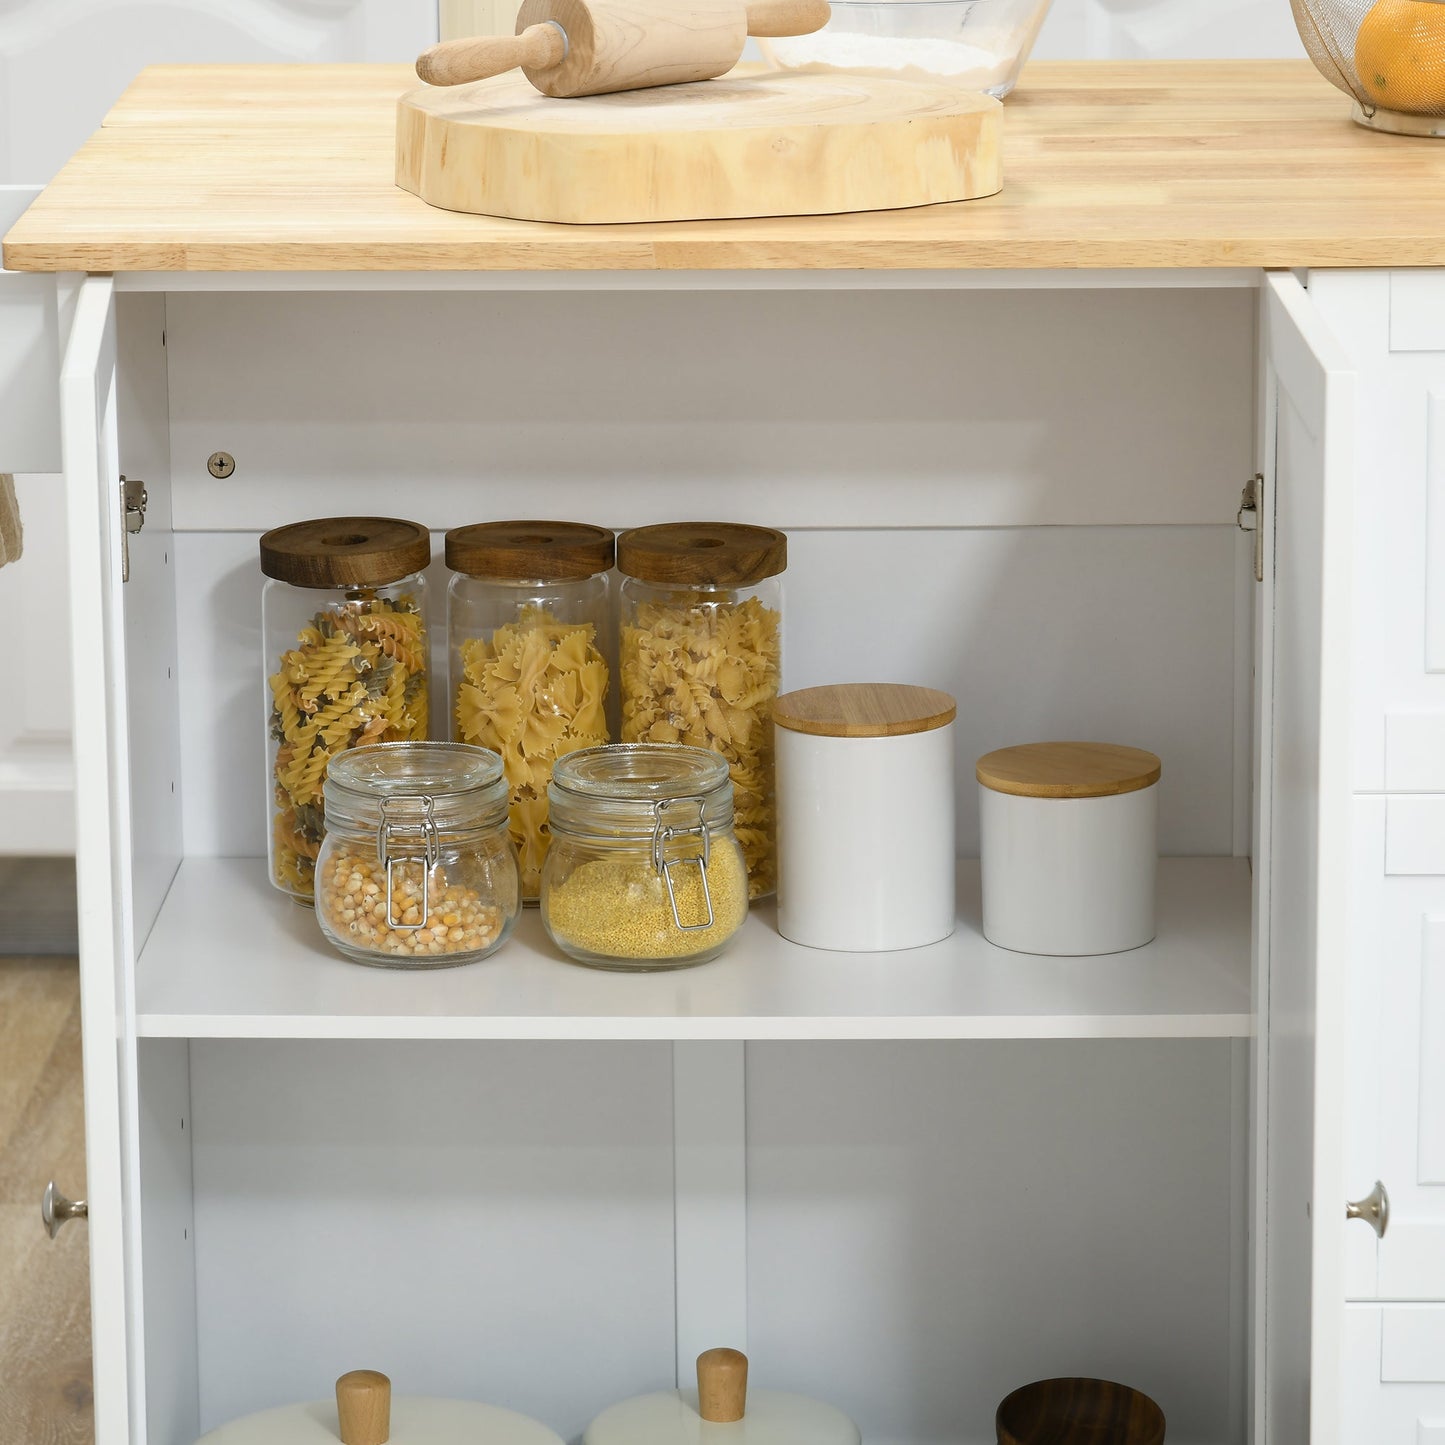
(907, 1183)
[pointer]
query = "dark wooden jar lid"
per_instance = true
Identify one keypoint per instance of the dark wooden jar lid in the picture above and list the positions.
(526, 551)
(1078, 1412)
(1068, 770)
(702, 554)
(864, 710)
(345, 551)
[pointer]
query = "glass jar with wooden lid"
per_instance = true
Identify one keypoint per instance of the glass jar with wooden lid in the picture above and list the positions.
(347, 664)
(701, 658)
(528, 625)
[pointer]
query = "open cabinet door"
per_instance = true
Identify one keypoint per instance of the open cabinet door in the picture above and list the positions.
(1303, 869)
(88, 410)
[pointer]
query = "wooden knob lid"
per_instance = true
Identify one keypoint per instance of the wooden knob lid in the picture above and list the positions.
(722, 1386)
(702, 554)
(363, 1407)
(1068, 770)
(345, 551)
(531, 551)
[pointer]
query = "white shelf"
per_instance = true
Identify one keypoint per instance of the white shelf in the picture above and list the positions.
(229, 957)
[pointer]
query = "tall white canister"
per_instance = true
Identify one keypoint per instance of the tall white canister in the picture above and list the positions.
(865, 780)
(1068, 847)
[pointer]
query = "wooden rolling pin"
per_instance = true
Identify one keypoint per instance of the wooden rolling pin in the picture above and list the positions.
(593, 47)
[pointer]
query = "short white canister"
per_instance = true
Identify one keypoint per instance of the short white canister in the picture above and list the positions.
(1069, 852)
(865, 778)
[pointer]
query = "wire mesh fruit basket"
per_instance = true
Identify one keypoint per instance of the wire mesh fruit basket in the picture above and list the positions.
(1389, 55)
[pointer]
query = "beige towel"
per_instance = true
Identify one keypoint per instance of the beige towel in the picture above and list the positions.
(11, 537)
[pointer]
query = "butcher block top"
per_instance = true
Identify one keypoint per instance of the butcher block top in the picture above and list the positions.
(1139, 164)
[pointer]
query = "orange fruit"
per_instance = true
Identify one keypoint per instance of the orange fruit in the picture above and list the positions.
(1400, 55)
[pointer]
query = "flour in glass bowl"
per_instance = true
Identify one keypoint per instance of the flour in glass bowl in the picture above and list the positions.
(899, 57)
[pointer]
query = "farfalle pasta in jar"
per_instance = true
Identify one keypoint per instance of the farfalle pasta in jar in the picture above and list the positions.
(701, 658)
(528, 623)
(347, 665)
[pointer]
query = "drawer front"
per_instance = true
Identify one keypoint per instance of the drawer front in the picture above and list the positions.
(29, 359)
(1397, 1066)
(1394, 1369)
(1393, 327)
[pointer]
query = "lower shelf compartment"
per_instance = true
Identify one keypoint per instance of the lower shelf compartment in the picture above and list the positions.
(229, 957)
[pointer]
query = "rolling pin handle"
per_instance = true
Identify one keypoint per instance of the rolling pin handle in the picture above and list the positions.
(479, 57)
(722, 1386)
(363, 1407)
(787, 17)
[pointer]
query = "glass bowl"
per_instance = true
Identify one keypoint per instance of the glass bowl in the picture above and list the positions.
(977, 44)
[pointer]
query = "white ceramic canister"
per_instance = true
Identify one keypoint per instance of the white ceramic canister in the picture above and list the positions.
(365, 1413)
(722, 1412)
(1069, 849)
(865, 816)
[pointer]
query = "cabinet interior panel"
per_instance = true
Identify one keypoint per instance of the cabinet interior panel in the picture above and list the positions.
(790, 409)
(1123, 633)
(490, 1223)
(931, 1226)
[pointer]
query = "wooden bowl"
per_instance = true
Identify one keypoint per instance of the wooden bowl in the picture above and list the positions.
(1079, 1412)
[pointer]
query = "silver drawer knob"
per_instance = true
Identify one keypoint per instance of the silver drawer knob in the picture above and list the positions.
(1374, 1209)
(56, 1209)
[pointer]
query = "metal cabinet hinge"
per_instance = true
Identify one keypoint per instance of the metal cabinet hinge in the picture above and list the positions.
(133, 501)
(1249, 518)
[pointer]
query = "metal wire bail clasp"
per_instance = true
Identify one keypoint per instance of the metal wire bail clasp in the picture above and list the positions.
(663, 832)
(422, 823)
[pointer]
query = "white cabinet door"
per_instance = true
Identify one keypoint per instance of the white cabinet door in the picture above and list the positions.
(1395, 1362)
(1304, 821)
(1397, 1021)
(1392, 324)
(89, 406)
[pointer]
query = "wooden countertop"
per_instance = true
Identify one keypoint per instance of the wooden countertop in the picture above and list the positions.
(1140, 164)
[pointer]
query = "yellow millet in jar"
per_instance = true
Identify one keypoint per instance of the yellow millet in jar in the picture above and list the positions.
(618, 907)
(353, 901)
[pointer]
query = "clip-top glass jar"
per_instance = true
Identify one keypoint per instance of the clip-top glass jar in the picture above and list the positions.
(344, 626)
(417, 870)
(702, 658)
(645, 870)
(528, 625)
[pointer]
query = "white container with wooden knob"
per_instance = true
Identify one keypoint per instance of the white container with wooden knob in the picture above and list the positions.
(721, 1411)
(364, 1412)
(595, 47)
(865, 779)
(1068, 847)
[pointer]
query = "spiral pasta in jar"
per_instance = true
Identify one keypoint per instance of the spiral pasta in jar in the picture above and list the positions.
(644, 871)
(528, 624)
(701, 658)
(417, 870)
(344, 626)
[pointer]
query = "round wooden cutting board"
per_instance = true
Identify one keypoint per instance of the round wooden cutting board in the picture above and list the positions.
(771, 144)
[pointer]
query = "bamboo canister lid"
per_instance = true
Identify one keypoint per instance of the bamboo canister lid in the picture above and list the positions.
(1068, 770)
(864, 710)
(702, 554)
(345, 551)
(526, 551)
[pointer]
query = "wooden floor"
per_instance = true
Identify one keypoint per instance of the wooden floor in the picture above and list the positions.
(45, 1395)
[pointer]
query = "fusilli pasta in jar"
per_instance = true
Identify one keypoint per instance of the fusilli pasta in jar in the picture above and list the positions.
(347, 665)
(701, 658)
(528, 626)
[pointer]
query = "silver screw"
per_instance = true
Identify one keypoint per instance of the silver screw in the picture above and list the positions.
(220, 464)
